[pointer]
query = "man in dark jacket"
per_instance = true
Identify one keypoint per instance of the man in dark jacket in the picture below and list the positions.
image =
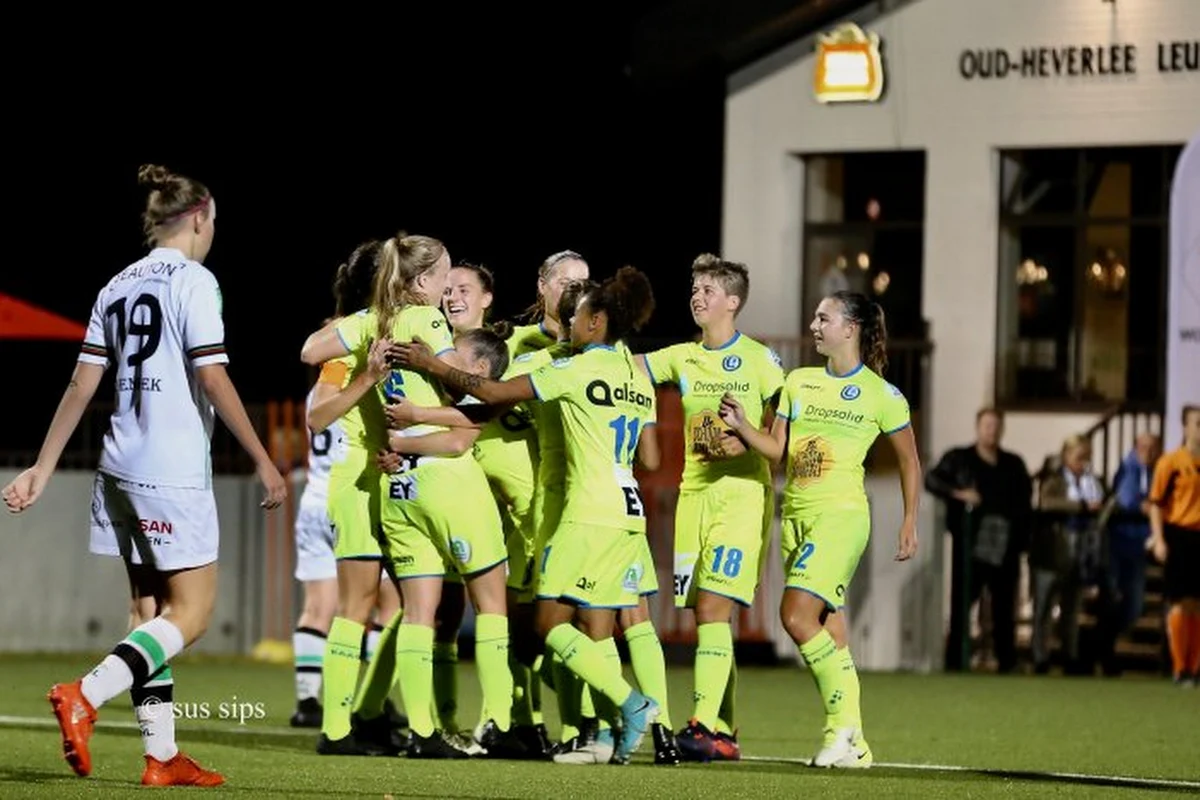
(988, 496)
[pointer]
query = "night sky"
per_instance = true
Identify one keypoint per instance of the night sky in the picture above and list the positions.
(508, 137)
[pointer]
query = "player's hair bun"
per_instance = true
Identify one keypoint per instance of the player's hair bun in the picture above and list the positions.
(154, 176)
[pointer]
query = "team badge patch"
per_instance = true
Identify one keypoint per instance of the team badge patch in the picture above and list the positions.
(851, 392)
(730, 363)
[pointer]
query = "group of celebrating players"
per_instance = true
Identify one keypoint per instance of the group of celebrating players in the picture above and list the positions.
(459, 459)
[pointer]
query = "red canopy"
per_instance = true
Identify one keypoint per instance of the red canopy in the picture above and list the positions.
(20, 320)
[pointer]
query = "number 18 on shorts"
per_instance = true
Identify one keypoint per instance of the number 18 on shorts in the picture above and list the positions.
(718, 543)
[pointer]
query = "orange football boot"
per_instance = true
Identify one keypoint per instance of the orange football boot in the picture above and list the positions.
(76, 717)
(179, 770)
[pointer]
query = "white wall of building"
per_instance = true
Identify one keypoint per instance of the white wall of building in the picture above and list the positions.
(772, 118)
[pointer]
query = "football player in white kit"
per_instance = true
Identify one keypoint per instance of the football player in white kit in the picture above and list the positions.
(158, 322)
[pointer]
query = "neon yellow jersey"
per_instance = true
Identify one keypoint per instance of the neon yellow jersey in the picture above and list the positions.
(413, 323)
(552, 450)
(605, 402)
(365, 425)
(507, 447)
(748, 370)
(528, 339)
(833, 421)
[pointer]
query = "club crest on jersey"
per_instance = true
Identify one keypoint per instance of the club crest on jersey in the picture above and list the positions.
(560, 362)
(851, 392)
(461, 550)
(730, 363)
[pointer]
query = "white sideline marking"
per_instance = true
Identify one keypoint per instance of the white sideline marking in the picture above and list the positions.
(50, 722)
(1124, 780)
(1166, 783)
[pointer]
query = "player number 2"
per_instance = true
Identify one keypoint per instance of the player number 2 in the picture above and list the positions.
(728, 562)
(147, 325)
(806, 551)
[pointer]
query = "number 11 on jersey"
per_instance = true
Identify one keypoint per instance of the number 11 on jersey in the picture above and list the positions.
(620, 426)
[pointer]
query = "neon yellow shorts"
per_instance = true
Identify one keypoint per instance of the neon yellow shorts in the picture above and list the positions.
(440, 519)
(593, 566)
(518, 538)
(353, 506)
(821, 551)
(721, 533)
(649, 575)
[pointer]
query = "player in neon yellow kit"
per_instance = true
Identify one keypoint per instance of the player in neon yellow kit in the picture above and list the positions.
(592, 564)
(828, 418)
(429, 524)
(726, 500)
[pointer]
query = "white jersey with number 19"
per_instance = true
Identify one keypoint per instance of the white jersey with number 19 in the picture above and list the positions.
(157, 321)
(324, 450)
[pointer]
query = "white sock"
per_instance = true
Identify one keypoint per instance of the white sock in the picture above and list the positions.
(308, 644)
(155, 711)
(135, 658)
(372, 643)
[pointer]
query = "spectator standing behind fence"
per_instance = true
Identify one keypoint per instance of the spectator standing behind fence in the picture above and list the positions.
(988, 494)
(1066, 554)
(1175, 540)
(1129, 534)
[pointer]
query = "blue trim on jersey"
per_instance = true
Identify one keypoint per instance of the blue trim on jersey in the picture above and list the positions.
(649, 370)
(648, 424)
(736, 335)
(542, 328)
(849, 374)
(536, 393)
(441, 353)
(595, 345)
(897, 430)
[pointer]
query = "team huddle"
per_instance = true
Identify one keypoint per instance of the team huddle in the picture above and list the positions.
(454, 458)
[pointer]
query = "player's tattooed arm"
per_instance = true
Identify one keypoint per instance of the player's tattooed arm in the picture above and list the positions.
(417, 356)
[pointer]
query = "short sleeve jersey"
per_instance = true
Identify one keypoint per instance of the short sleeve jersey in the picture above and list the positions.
(605, 402)
(833, 421)
(1176, 489)
(743, 367)
(413, 323)
(156, 322)
(509, 442)
(527, 339)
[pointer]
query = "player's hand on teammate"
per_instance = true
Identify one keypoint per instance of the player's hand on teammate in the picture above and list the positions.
(412, 355)
(400, 414)
(377, 360)
(727, 445)
(908, 541)
(274, 484)
(732, 413)
(1159, 548)
(387, 461)
(25, 489)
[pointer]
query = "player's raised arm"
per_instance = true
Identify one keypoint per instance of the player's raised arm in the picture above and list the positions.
(417, 356)
(329, 406)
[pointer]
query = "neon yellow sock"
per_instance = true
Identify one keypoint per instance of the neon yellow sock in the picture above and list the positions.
(491, 661)
(649, 666)
(587, 659)
(381, 673)
(726, 722)
(851, 709)
(414, 665)
(714, 657)
(522, 700)
(820, 653)
(444, 700)
(343, 647)
(568, 690)
(535, 694)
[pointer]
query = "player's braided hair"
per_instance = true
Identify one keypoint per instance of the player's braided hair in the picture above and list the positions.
(872, 326)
